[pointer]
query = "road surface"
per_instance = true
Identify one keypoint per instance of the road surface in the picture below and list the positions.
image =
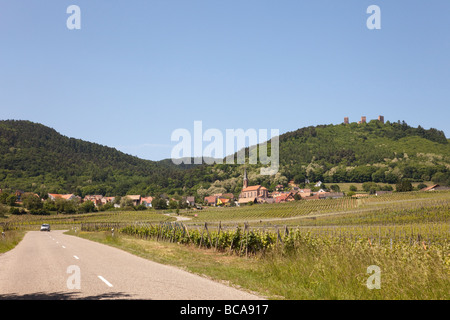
(51, 265)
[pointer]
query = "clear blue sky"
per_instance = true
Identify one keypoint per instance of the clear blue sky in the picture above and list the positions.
(138, 70)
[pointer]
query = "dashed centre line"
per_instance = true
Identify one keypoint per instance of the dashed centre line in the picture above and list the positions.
(105, 281)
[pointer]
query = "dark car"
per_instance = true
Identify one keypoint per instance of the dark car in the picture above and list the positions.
(45, 227)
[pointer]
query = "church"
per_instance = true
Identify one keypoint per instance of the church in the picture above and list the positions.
(255, 194)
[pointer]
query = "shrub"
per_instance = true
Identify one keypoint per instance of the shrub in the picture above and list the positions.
(17, 211)
(40, 212)
(3, 210)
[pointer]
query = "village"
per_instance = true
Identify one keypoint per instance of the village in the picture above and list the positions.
(249, 195)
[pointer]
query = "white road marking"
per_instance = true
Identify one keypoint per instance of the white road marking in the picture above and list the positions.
(105, 281)
(76, 257)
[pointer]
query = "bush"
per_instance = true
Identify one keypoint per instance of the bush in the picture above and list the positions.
(87, 206)
(140, 207)
(17, 211)
(66, 206)
(40, 212)
(3, 210)
(421, 186)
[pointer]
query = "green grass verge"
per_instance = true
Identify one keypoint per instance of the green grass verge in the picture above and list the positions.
(10, 240)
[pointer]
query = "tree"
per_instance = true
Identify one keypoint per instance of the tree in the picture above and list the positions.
(159, 203)
(173, 204)
(32, 202)
(404, 185)
(87, 206)
(66, 206)
(3, 197)
(353, 188)
(126, 202)
(49, 205)
(11, 200)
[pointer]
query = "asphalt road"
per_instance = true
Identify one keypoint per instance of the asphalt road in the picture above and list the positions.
(51, 265)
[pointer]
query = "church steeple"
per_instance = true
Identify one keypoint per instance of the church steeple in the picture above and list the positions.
(245, 179)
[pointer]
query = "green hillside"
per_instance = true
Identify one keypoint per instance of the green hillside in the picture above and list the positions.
(36, 158)
(376, 152)
(364, 152)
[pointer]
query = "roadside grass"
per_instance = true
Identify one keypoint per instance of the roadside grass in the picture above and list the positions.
(311, 271)
(10, 240)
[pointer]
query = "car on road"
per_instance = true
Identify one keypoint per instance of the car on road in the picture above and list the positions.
(45, 227)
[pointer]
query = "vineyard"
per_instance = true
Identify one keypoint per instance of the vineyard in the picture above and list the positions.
(275, 210)
(250, 240)
(402, 208)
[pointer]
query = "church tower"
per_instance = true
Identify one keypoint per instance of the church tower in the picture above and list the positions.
(245, 179)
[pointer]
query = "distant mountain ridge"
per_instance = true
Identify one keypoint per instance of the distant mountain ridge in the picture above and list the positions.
(36, 158)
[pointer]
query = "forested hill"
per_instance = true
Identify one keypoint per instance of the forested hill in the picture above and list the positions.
(365, 152)
(36, 158)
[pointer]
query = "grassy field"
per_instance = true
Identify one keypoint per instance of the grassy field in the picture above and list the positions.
(318, 249)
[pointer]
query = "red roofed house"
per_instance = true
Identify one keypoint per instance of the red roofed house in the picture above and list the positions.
(190, 201)
(54, 196)
(304, 192)
(211, 200)
(435, 187)
(285, 197)
(106, 200)
(147, 201)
